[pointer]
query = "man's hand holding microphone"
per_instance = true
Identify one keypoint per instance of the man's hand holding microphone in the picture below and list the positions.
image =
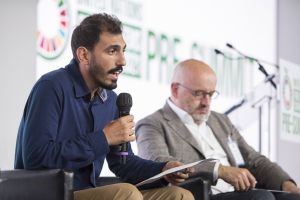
(121, 131)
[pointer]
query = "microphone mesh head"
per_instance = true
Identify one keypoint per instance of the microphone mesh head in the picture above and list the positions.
(124, 101)
(229, 45)
(217, 51)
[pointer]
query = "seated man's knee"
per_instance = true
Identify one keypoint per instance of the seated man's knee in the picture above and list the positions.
(128, 191)
(178, 193)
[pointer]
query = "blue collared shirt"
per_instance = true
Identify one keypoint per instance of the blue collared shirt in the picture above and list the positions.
(62, 127)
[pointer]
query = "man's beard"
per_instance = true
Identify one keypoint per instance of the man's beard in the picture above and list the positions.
(98, 74)
(111, 86)
(114, 85)
(199, 119)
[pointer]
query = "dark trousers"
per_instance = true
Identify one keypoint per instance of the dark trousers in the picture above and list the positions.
(255, 195)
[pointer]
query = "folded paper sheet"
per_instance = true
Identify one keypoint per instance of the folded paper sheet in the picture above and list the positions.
(172, 170)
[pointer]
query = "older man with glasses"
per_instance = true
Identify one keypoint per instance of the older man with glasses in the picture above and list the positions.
(186, 129)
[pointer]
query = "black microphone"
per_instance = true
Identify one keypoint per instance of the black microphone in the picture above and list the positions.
(124, 103)
(251, 58)
(230, 46)
(217, 51)
(261, 67)
(239, 52)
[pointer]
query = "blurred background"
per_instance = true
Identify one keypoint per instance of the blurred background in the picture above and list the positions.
(253, 46)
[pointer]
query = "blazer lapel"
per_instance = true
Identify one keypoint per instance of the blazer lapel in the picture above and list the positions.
(221, 136)
(179, 128)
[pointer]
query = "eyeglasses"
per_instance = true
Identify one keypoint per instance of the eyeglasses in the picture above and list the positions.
(200, 94)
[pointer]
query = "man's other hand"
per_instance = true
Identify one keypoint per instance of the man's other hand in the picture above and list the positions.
(240, 178)
(289, 186)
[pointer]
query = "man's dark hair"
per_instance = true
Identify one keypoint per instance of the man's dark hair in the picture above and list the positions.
(87, 33)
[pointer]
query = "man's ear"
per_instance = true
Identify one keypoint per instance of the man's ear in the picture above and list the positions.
(82, 55)
(174, 88)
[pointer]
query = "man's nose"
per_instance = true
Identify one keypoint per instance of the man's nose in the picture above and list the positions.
(121, 59)
(206, 99)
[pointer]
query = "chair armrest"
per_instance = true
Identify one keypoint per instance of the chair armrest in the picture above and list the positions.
(199, 186)
(36, 185)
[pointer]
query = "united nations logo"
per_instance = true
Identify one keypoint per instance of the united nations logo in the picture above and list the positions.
(53, 28)
(287, 91)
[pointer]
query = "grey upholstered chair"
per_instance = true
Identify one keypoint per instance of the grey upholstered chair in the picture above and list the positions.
(54, 184)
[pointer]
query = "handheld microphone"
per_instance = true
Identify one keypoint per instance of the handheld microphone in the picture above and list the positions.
(124, 103)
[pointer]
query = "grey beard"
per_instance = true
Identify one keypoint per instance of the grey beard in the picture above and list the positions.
(202, 118)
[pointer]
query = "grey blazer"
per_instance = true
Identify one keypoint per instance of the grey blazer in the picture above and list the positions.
(162, 136)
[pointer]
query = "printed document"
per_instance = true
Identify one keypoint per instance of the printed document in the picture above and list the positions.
(172, 170)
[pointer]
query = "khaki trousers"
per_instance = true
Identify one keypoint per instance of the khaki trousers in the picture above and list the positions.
(126, 191)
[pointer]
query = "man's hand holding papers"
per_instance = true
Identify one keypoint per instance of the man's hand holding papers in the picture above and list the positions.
(178, 176)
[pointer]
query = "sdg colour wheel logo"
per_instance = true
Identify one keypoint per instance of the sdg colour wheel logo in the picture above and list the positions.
(53, 28)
